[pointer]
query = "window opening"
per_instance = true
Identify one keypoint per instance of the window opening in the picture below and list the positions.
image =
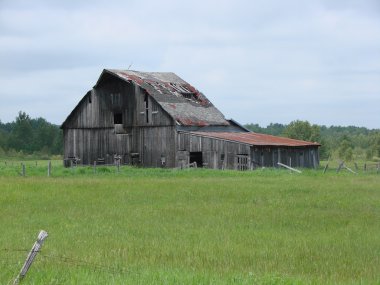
(118, 118)
(196, 157)
(115, 99)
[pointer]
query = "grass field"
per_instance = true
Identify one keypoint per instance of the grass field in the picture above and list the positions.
(154, 226)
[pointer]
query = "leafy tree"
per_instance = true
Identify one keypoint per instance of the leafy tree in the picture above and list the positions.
(27, 135)
(22, 134)
(302, 130)
(345, 150)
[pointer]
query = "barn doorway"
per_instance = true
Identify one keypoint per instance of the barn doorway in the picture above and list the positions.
(196, 156)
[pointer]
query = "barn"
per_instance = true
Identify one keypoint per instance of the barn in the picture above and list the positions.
(156, 119)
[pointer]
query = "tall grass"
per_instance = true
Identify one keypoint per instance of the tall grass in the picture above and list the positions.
(159, 226)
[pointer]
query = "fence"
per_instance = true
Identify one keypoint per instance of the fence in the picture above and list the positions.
(49, 168)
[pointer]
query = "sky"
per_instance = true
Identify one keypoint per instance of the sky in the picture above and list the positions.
(258, 61)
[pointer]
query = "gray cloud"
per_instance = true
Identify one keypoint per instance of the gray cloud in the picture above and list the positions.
(259, 61)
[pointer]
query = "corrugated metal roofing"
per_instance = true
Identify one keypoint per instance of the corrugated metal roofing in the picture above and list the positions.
(182, 101)
(256, 139)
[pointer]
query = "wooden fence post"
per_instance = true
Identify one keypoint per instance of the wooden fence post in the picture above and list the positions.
(23, 169)
(94, 166)
(326, 167)
(365, 167)
(32, 254)
(49, 168)
(340, 167)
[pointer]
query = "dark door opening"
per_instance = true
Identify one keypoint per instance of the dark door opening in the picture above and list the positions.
(196, 157)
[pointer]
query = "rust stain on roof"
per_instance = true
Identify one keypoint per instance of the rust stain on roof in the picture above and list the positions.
(256, 139)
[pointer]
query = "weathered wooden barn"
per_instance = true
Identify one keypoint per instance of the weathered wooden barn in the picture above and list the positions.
(159, 120)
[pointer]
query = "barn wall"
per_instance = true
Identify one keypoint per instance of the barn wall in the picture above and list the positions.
(216, 153)
(146, 133)
(97, 108)
(293, 156)
(219, 154)
(145, 146)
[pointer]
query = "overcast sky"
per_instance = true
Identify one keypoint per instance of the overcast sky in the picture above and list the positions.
(258, 61)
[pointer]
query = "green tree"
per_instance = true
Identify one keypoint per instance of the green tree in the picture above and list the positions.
(303, 130)
(21, 137)
(345, 150)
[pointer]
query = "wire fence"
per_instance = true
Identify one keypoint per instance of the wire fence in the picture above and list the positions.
(7, 254)
(56, 168)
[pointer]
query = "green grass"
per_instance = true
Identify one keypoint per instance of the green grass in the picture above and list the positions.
(159, 226)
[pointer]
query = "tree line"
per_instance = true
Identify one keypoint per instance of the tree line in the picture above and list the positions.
(30, 137)
(346, 143)
(37, 138)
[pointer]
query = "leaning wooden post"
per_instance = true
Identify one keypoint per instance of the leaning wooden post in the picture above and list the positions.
(288, 167)
(349, 169)
(32, 254)
(23, 169)
(356, 167)
(326, 167)
(340, 167)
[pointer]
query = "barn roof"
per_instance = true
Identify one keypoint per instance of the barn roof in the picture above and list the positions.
(179, 99)
(256, 139)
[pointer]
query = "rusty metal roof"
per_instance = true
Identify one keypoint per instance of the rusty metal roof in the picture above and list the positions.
(184, 103)
(256, 139)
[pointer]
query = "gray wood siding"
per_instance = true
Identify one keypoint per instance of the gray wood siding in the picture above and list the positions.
(96, 109)
(151, 143)
(213, 150)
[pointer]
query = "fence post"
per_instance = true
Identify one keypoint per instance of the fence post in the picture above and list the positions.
(326, 167)
(94, 166)
(378, 168)
(32, 254)
(365, 166)
(49, 168)
(23, 169)
(340, 167)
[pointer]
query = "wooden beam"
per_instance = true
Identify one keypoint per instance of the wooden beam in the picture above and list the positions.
(288, 167)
